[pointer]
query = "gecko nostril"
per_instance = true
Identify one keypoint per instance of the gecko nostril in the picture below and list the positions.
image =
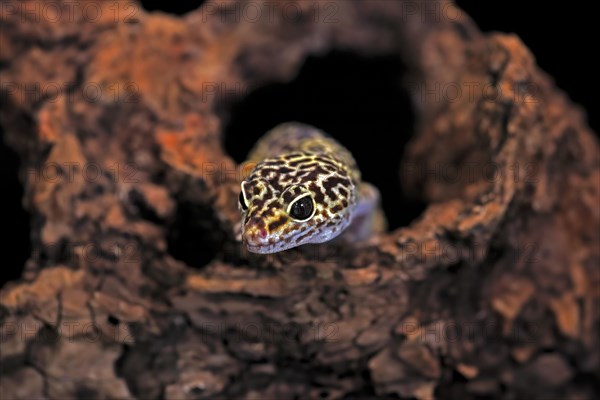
(263, 233)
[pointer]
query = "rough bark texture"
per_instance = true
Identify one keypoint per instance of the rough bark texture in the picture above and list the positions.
(493, 291)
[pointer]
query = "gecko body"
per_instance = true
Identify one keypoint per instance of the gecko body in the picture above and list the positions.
(305, 188)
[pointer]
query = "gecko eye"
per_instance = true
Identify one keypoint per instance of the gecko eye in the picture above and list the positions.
(302, 209)
(243, 204)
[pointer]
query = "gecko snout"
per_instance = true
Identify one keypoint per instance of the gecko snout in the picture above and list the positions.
(255, 233)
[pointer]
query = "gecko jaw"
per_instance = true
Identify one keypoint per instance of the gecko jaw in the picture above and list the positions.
(257, 239)
(265, 245)
(263, 249)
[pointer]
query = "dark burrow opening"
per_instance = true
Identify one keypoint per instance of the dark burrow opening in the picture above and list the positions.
(358, 100)
(195, 237)
(16, 224)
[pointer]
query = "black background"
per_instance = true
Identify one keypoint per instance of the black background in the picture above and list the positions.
(360, 101)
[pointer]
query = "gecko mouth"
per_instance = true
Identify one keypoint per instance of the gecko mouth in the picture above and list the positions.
(263, 248)
(260, 245)
(267, 245)
(255, 246)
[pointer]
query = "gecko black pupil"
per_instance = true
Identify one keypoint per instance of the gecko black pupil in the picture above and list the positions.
(243, 202)
(302, 208)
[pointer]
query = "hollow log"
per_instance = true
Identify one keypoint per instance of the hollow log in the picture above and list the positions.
(491, 292)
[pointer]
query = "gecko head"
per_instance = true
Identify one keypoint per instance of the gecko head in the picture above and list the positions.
(283, 208)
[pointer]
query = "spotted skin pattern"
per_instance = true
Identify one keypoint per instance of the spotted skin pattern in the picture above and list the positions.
(295, 161)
